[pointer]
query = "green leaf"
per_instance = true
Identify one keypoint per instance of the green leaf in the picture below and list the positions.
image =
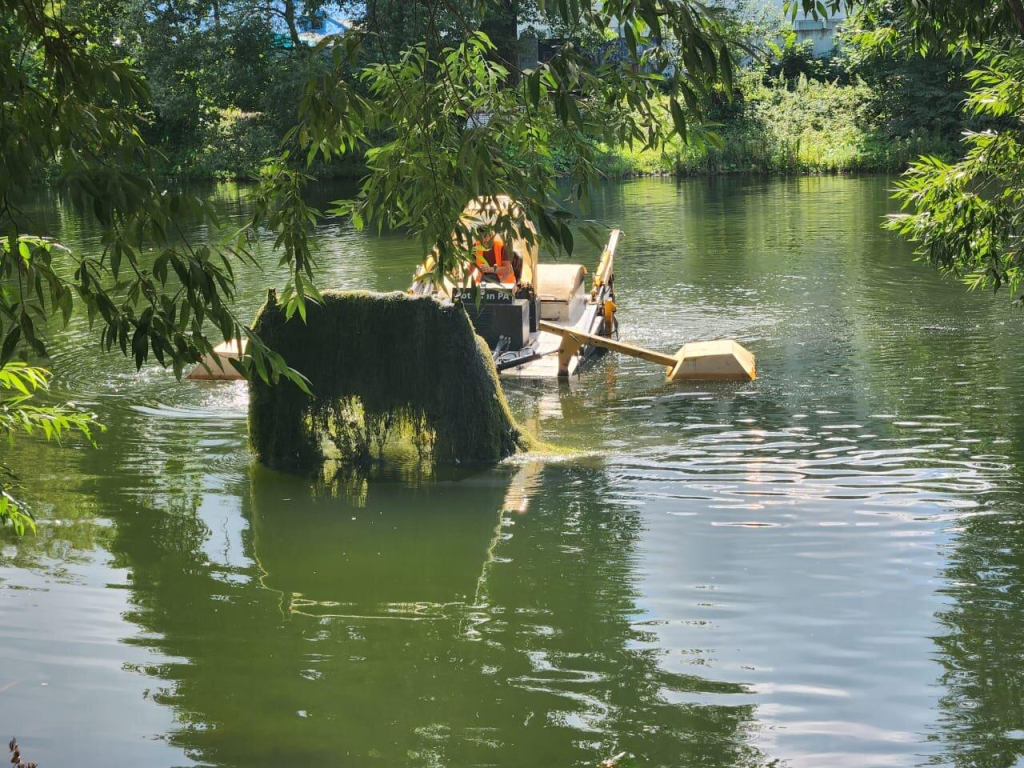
(533, 87)
(678, 117)
(10, 344)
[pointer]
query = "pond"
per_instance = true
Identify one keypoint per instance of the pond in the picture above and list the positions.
(822, 567)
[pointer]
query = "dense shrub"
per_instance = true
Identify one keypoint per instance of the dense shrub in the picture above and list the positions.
(791, 60)
(800, 126)
(234, 146)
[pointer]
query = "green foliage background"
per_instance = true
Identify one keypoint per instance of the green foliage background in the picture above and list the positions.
(801, 126)
(226, 93)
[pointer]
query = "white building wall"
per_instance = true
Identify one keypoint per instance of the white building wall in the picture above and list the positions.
(821, 32)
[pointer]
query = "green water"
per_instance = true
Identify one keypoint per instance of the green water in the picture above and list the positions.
(822, 568)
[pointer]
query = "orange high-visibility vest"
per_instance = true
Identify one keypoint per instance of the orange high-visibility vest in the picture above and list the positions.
(499, 250)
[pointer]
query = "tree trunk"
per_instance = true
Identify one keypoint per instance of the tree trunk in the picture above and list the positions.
(1018, 14)
(289, 20)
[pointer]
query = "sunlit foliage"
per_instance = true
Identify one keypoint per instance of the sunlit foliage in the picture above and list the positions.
(966, 217)
(21, 412)
(457, 123)
(151, 291)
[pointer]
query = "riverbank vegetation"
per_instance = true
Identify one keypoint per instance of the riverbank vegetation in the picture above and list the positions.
(966, 217)
(805, 125)
(226, 81)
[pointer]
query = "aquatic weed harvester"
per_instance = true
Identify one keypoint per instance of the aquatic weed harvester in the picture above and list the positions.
(538, 319)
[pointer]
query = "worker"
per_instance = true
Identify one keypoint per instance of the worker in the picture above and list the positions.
(491, 252)
(493, 260)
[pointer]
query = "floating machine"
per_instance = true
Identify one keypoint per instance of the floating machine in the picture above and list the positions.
(216, 366)
(539, 319)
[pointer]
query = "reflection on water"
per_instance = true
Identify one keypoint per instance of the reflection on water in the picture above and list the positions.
(427, 554)
(820, 568)
(981, 645)
(428, 625)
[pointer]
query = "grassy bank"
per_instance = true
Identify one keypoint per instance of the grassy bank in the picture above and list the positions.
(804, 127)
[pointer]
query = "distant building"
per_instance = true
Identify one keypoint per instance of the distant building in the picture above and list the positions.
(820, 32)
(537, 43)
(316, 26)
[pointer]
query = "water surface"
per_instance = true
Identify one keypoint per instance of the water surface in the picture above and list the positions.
(822, 567)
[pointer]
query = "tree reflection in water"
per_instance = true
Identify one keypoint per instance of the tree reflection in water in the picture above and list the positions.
(489, 620)
(982, 651)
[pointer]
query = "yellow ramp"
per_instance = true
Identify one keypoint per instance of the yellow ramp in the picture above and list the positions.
(217, 366)
(723, 360)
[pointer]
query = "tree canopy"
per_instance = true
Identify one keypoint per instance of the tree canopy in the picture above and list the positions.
(966, 217)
